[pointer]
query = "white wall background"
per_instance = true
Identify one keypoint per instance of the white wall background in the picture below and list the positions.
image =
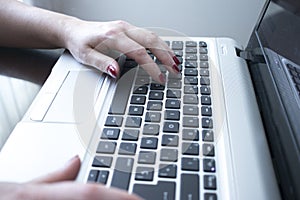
(231, 18)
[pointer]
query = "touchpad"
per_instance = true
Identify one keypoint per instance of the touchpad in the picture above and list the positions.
(75, 100)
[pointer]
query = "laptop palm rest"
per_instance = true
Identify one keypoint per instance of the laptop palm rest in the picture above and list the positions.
(74, 102)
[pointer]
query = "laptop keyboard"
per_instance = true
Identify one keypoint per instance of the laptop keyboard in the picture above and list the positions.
(295, 75)
(158, 140)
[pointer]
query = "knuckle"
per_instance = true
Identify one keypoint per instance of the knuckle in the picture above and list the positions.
(141, 52)
(151, 39)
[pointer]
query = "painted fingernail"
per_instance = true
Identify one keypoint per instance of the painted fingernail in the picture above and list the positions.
(111, 70)
(162, 78)
(175, 68)
(176, 60)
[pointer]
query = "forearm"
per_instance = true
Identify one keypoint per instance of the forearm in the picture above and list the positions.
(31, 27)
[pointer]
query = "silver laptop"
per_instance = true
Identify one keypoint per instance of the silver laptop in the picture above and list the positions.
(226, 128)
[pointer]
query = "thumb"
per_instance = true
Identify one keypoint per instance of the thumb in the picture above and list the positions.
(68, 172)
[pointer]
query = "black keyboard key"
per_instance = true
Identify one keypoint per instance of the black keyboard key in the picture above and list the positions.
(133, 122)
(144, 173)
(204, 72)
(192, 50)
(207, 123)
(206, 111)
(102, 161)
(156, 86)
(174, 83)
(172, 115)
(151, 129)
(205, 90)
(106, 147)
(191, 89)
(127, 148)
(122, 93)
(122, 173)
(141, 90)
(115, 121)
(190, 164)
(154, 105)
(190, 99)
(170, 140)
(156, 95)
(147, 157)
(190, 110)
(167, 171)
(191, 56)
(208, 135)
(177, 45)
(202, 44)
(210, 182)
(191, 80)
(204, 81)
(208, 150)
(204, 65)
(191, 44)
(190, 148)
(171, 127)
(137, 99)
(110, 133)
(163, 190)
(170, 155)
(186, 191)
(93, 175)
(210, 196)
(130, 134)
(203, 50)
(176, 94)
(190, 134)
(191, 72)
(149, 143)
(192, 122)
(191, 64)
(103, 176)
(209, 165)
(136, 110)
(173, 104)
(203, 57)
(205, 100)
(152, 117)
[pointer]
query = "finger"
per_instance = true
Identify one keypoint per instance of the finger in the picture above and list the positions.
(137, 52)
(76, 191)
(68, 172)
(102, 62)
(157, 46)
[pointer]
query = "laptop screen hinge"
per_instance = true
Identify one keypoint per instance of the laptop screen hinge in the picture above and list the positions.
(254, 56)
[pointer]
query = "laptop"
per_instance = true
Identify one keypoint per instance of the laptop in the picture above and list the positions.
(226, 128)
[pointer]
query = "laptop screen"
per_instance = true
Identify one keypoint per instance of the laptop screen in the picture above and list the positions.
(278, 89)
(279, 29)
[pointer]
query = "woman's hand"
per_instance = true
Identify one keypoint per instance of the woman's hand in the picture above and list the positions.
(91, 42)
(60, 185)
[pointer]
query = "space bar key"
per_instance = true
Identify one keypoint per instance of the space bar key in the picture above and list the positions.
(163, 190)
(122, 92)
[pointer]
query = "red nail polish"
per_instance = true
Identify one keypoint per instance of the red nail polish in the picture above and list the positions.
(162, 78)
(176, 60)
(175, 67)
(111, 70)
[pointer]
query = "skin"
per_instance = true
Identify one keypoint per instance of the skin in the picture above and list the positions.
(89, 42)
(24, 26)
(59, 185)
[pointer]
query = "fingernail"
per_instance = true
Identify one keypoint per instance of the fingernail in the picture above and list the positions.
(175, 67)
(111, 70)
(162, 78)
(176, 60)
